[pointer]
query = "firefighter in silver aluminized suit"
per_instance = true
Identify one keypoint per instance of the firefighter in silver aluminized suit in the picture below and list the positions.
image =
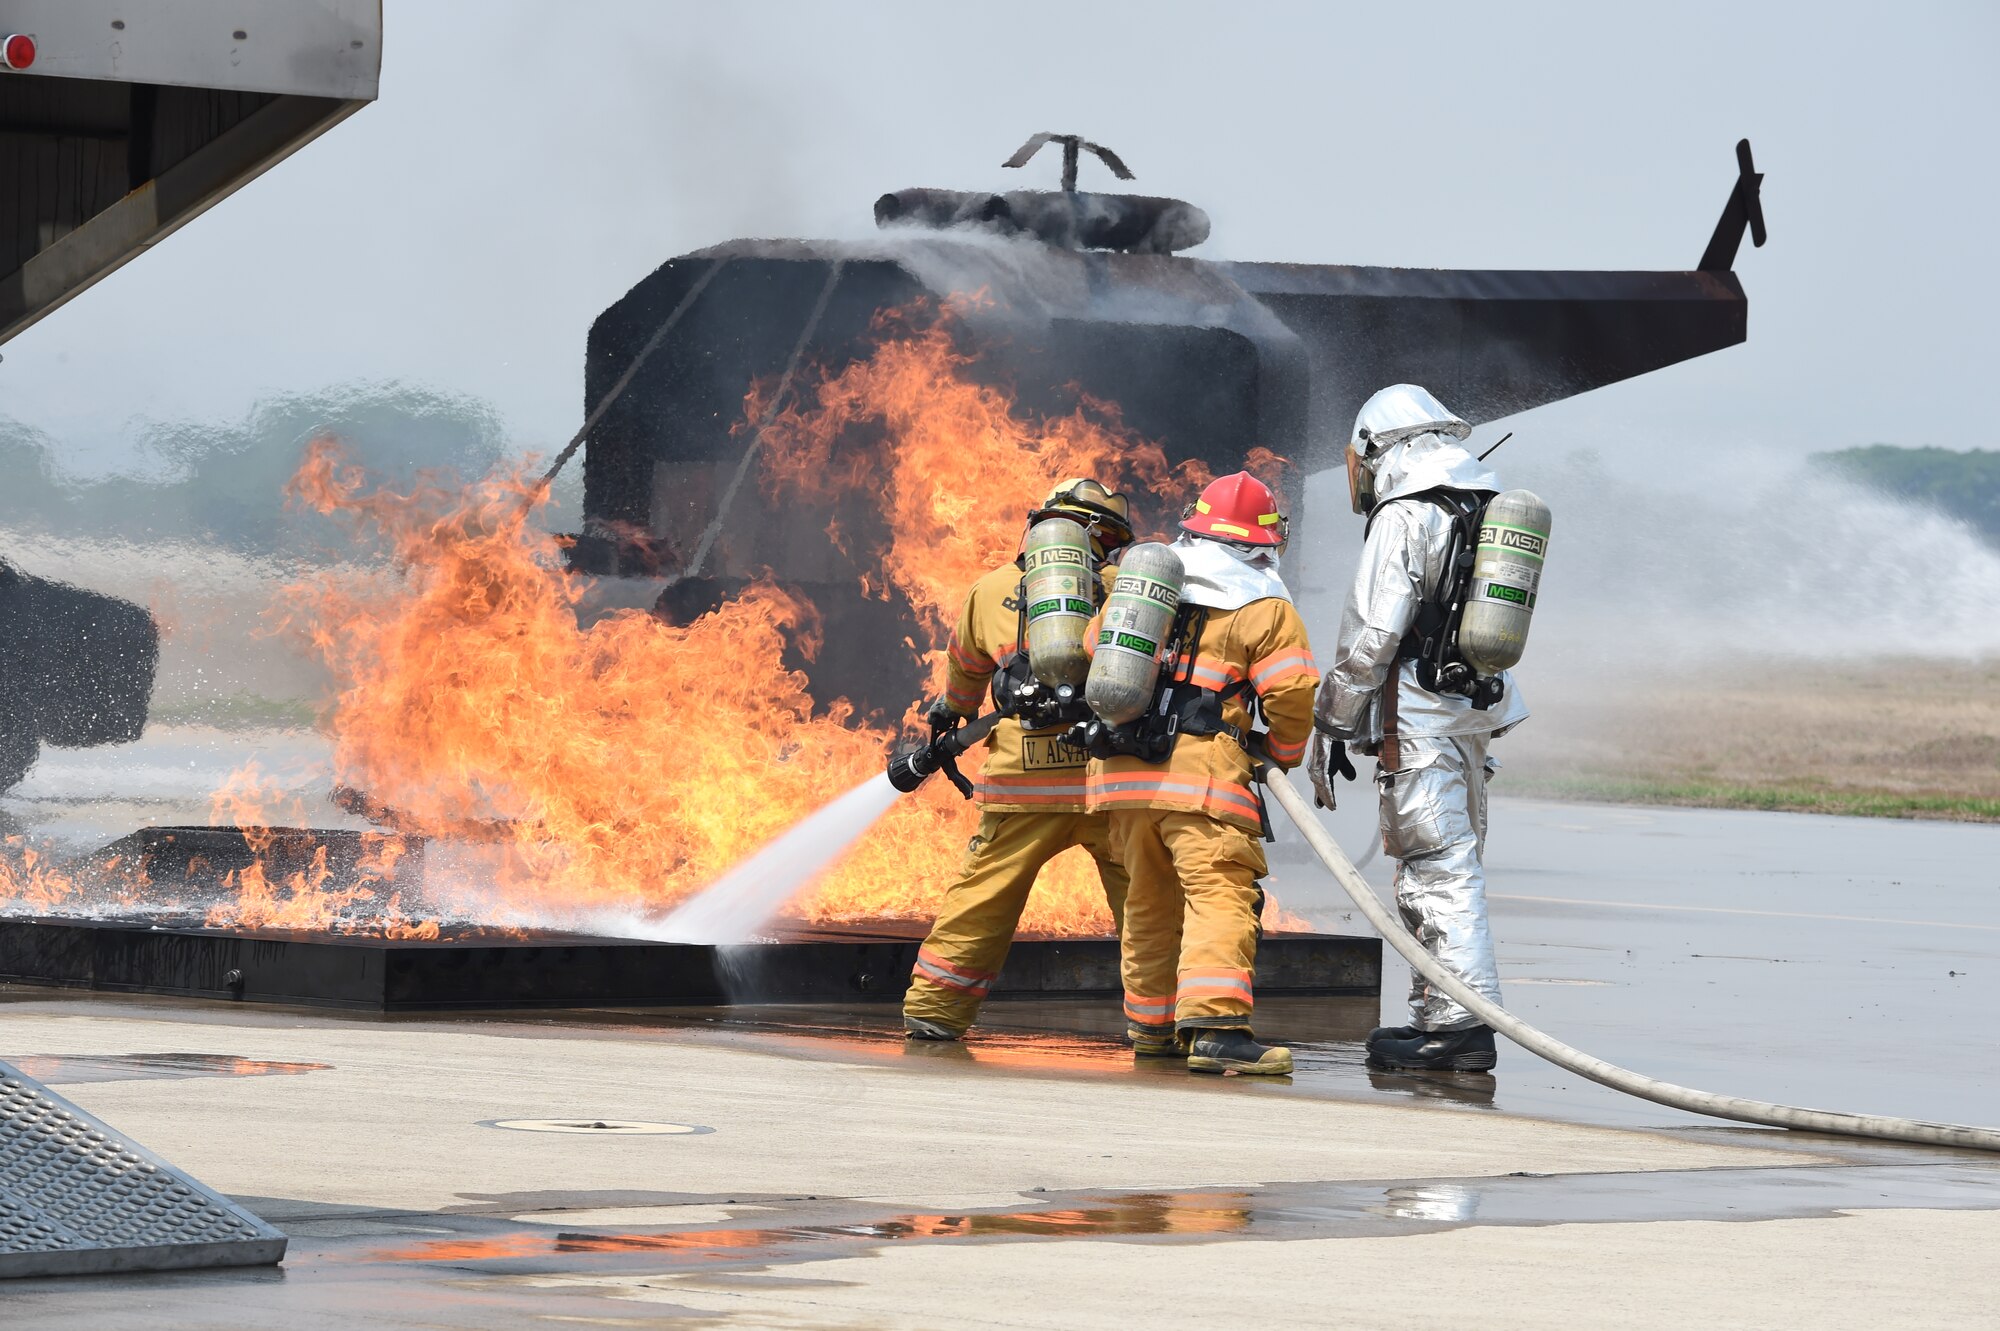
(1405, 470)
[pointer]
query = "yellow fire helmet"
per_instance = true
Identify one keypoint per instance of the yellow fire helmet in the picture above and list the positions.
(1105, 515)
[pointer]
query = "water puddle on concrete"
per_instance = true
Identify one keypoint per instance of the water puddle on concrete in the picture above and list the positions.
(1273, 1212)
(1020, 1035)
(76, 1069)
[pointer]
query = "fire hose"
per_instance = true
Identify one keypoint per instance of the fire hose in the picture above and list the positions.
(1555, 1051)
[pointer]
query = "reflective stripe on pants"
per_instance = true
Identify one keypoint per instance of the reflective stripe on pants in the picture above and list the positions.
(975, 924)
(1190, 913)
(1148, 1011)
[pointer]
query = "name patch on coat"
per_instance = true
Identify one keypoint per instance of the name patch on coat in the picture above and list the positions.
(1045, 753)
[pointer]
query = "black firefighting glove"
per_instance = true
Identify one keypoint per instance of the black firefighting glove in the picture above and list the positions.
(942, 719)
(1327, 760)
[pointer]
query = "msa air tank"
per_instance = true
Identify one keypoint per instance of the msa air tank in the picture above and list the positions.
(1506, 579)
(1137, 617)
(1059, 586)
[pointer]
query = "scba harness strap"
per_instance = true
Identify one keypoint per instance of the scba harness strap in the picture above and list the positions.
(1180, 706)
(1432, 640)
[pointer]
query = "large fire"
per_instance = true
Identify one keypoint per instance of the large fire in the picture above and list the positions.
(958, 467)
(620, 765)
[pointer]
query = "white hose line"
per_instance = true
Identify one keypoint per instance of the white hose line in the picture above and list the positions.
(1608, 1074)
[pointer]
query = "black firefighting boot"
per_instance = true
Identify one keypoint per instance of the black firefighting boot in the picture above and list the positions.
(1467, 1050)
(1234, 1049)
(916, 1028)
(1382, 1033)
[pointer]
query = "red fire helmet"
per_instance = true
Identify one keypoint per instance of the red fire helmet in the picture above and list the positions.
(1237, 508)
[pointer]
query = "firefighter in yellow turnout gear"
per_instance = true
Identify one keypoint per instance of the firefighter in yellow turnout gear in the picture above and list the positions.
(1188, 828)
(1030, 788)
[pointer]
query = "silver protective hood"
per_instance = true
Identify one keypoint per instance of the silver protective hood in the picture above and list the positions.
(1222, 577)
(1429, 461)
(1402, 410)
(1405, 441)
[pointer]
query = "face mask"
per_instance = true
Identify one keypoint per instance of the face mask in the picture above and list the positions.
(1360, 483)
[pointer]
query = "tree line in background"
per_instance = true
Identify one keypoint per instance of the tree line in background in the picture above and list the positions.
(1963, 485)
(223, 484)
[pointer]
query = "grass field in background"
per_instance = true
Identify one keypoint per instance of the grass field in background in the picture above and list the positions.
(1885, 739)
(1781, 799)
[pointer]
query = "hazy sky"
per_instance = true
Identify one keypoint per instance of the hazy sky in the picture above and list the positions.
(527, 163)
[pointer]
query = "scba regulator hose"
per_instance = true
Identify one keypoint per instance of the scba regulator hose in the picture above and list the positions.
(1607, 1074)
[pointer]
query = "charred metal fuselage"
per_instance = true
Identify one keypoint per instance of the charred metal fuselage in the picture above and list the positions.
(76, 669)
(1207, 359)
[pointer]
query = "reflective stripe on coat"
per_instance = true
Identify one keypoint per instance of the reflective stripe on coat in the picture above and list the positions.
(1263, 642)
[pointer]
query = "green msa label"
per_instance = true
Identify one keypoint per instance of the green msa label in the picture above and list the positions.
(1517, 539)
(1061, 605)
(1514, 595)
(1131, 642)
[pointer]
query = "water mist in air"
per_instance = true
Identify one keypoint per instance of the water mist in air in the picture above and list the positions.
(732, 908)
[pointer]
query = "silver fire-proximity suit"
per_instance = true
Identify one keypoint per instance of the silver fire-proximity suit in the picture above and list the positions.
(1430, 750)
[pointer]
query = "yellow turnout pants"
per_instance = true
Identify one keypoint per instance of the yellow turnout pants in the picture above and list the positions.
(968, 943)
(1190, 932)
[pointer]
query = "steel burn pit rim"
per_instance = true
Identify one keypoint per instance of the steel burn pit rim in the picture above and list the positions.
(170, 939)
(471, 969)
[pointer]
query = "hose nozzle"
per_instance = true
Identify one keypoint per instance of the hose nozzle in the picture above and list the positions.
(913, 767)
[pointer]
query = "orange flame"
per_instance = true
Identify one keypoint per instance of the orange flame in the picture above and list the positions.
(631, 761)
(625, 763)
(30, 883)
(957, 468)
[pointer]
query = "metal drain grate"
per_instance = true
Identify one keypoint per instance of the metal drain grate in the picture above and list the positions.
(76, 1197)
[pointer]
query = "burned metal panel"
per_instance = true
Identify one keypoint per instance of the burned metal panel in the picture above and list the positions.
(479, 970)
(660, 459)
(1489, 343)
(1191, 362)
(78, 668)
(77, 1196)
